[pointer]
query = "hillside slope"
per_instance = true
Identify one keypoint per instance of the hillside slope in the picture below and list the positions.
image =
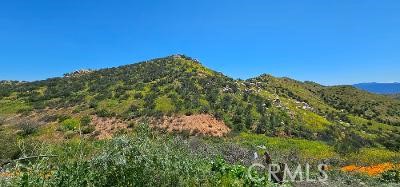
(395, 96)
(180, 86)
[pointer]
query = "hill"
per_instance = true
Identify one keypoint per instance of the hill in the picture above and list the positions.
(380, 88)
(178, 85)
(177, 94)
(396, 96)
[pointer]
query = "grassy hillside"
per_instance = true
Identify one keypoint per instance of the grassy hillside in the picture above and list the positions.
(286, 116)
(180, 85)
(396, 96)
(363, 104)
(139, 89)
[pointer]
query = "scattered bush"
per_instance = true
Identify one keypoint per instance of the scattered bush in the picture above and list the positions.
(70, 124)
(129, 162)
(49, 118)
(350, 144)
(86, 120)
(2, 121)
(227, 175)
(25, 111)
(131, 125)
(188, 113)
(28, 128)
(69, 134)
(88, 129)
(391, 176)
(62, 118)
(138, 95)
(8, 146)
(170, 161)
(105, 113)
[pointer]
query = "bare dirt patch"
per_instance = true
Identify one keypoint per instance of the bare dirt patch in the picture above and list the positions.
(107, 127)
(200, 124)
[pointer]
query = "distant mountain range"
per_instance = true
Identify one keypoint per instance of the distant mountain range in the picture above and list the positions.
(380, 88)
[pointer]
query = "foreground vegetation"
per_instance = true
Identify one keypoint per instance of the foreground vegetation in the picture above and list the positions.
(149, 158)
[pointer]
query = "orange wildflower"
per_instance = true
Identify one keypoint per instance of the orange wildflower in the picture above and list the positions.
(370, 170)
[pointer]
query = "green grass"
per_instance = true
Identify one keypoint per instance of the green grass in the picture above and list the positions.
(128, 160)
(8, 144)
(307, 150)
(369, 156)
(119, 107)
(12, 107)
(313, 121)
(144, 159)
(164, 104)
(70, 124)
(374, 125)
(315, 151)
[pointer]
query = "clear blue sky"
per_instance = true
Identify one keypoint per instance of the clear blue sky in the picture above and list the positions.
(330, 42)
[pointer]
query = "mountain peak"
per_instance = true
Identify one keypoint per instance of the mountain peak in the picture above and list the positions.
(182, 56)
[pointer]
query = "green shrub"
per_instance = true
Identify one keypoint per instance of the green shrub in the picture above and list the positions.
(49, 118)
(88, 129)
(25, 111)
(350, 143)
(138, 95)
(131, 125)
(69, 134)
(28, 128)
(8, 146)
(104, 113)
(86, 120)
(70, 124)
(227, 174)
(129, 162)
(391, 176)
(62, 118)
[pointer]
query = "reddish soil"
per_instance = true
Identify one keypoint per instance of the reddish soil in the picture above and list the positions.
(107, 127)
(200, 124)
